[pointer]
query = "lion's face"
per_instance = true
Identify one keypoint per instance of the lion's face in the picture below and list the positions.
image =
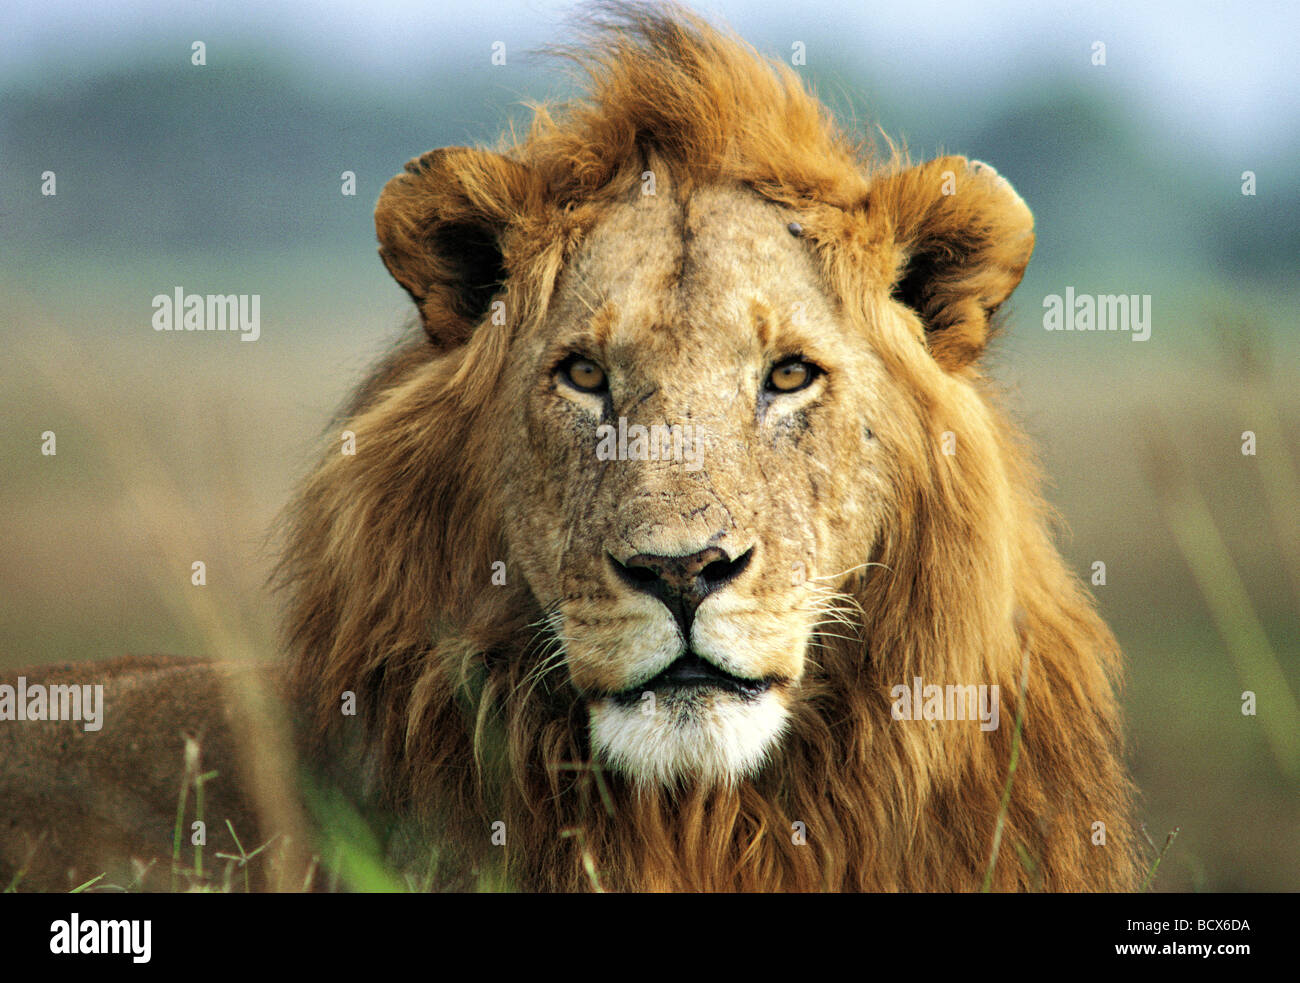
(703, 422)
(692, 398)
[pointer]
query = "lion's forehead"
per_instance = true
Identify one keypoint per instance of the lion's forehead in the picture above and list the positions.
(716, 268)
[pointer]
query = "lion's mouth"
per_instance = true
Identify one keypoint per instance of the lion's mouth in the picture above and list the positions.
(692, 671)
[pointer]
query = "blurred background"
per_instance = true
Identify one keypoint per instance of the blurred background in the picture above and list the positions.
(226, 178)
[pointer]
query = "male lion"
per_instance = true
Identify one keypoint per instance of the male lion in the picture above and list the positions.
(690, 495)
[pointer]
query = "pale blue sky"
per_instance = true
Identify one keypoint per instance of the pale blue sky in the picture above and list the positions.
(1225, 73)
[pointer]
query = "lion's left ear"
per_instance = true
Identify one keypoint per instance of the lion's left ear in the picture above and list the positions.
(962, 238)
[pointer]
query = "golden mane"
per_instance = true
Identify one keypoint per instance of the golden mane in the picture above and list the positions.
(388, 562)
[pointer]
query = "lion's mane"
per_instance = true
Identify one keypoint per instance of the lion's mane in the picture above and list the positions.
(461, 725)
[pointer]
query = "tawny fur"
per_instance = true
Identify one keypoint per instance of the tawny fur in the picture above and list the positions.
(389, 554)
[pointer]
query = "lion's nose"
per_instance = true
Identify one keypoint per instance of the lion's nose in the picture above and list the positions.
(681, 582)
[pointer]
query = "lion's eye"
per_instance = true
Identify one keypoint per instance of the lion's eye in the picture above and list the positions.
(791, 375)
(584, 375)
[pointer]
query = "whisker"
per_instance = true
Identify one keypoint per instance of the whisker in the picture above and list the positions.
(860, 566)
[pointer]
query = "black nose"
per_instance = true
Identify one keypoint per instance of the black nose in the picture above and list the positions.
(682, 582)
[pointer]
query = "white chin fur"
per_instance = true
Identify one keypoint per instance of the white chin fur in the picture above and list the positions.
(695, 736)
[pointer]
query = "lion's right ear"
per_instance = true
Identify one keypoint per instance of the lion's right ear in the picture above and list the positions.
(440, 227)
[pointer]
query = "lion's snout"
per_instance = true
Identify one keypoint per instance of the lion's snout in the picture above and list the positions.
(681, 582)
